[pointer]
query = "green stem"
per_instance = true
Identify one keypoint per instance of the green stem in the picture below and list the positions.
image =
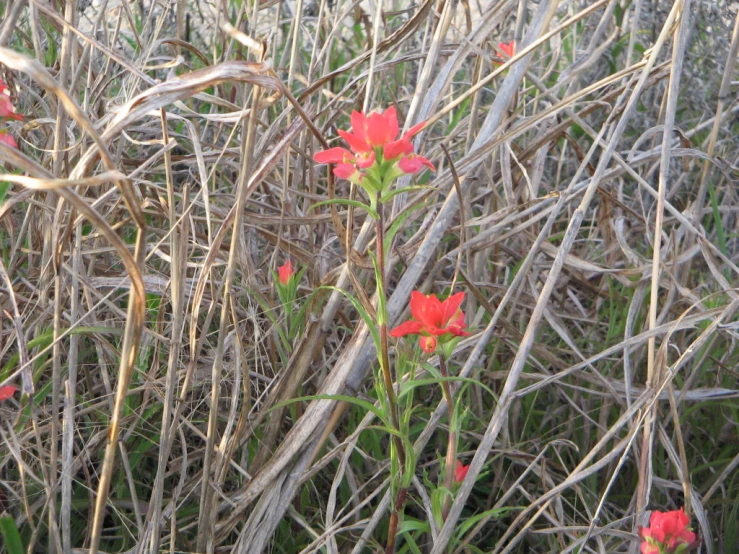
(451, 449)
(387, 377)
(384, 355)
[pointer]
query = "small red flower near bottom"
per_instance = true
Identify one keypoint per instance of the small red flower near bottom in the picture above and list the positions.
(668, 533)
(285, 272)
(460, 472)
(7, 391)
(433, 320)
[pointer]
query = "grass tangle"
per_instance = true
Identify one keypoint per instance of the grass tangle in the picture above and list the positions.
(173, 396)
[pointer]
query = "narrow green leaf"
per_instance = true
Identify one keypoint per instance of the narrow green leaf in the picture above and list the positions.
(10, 534)
(344, 201)
(364, 404)
(371, 323)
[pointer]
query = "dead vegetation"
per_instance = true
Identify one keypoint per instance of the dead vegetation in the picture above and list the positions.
(585, 197)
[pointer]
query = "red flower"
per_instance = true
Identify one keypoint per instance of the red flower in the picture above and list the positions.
(413, 163)
(285, 272)
(461, 472)
(433, 318)
(647, 548)
(508, 48)
(7, 110)
(374, 139)
(7, 391)
(373, 130)
(668, 530)
(8, 139)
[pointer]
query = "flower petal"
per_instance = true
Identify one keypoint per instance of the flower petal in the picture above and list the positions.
(285, 272)
(397, 148)
(378, 130)
(391, 123)
(428, 344)
(426, 309)
(365, 159)
(508, 48)
(460, 472)
(7, 110)
(356, 142)
(450, 307)
(332, 156)
(414, 164)
(359, 126)
(414, 130)
(409, 327)
(6, 392)
(8, 139)
(345, 171)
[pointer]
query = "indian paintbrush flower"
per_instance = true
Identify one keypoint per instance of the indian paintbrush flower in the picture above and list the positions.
(508, 48)
(7, 111)
(376, 156)
(285, 272)
(8, 139)
(433, 321)
(6, 392)
(460, 472)
(668, 533)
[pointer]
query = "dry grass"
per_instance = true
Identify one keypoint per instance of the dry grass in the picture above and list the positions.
(587, 204)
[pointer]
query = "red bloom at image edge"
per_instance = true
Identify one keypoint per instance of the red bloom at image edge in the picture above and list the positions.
(8, 139)
(285, 272)
(7, 392)
(668, 530)
(7, 110)
(460, 472)
(433, 318)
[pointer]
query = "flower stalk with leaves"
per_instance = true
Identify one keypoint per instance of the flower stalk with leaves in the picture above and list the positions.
(439, 324)
(376, 157)
(286, 281)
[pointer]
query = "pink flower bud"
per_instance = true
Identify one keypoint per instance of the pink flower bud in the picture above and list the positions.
(285, 272)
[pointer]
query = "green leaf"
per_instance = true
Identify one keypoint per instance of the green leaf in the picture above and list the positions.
(371, 323)
(470, 522)
(364, 404)
(10, 534)
(406, 387)
(3, 190)
(393, 230)
(355, 203)
(396, 192)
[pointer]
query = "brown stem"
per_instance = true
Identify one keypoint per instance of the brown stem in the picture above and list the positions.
(392, 529)
(451, 449)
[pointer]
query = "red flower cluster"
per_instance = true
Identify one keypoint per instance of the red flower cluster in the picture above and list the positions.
(7, 111)
(508, 48)
(668, 533)
(285, 272)
(460, 472)
(433, 320)
(375, 145)
(6, 392)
